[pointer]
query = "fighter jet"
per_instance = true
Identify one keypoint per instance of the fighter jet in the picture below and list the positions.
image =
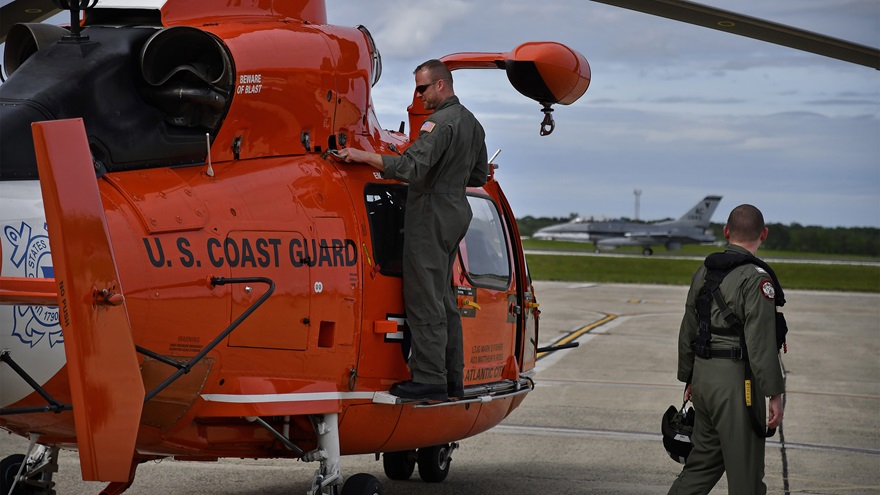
(691, 228)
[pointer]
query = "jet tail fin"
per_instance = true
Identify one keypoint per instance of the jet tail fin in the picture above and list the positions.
(702, 212)
(106, 387)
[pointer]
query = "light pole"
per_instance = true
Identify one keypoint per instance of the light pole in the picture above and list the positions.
(638, 193)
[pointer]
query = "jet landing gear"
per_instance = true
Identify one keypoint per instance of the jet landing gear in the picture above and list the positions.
(647, 251)
(433, 463)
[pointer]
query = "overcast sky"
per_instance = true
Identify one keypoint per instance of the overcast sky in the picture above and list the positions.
(674, 110)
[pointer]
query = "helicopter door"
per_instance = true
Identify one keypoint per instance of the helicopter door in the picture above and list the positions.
(484, 287)
(523, 306)
(282, 321)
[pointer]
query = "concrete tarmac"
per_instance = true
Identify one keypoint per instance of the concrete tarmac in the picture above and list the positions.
(592, 424)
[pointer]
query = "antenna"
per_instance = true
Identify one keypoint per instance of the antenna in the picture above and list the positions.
(210, 171)
(495, 155)
(492, 165)
(638, 193)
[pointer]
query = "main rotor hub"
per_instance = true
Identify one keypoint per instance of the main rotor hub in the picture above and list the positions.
(74, 6)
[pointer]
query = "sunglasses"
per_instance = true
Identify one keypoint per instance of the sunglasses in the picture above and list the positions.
(421, 88)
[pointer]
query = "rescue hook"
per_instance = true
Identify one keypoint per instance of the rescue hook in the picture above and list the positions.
(548, 124)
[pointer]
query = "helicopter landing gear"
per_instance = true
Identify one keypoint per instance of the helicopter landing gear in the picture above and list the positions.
(328, 478)
(434, 462)
(29, 474)
(9, 467)
(362, 484)
(399, 465)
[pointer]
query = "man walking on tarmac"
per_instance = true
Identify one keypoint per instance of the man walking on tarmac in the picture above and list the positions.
(448, 156)
(728, 353)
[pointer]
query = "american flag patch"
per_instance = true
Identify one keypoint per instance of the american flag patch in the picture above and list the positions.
(427, 126)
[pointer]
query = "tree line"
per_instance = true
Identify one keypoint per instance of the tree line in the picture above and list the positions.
(862, 241)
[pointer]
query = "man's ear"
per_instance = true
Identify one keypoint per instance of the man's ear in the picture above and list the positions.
(726, 233)
(764, 234)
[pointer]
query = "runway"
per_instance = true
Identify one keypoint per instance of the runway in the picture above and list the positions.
(771, 260)
(591, 426)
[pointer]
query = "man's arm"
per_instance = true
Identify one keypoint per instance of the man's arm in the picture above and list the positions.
(368, 157)
(480, 173)
(414, 163)
(759, 326)
(687, 333)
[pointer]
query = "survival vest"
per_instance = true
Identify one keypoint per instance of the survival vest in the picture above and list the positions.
(718, 266)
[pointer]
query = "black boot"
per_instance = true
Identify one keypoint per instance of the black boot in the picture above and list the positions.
(419, 391)
(455, 390)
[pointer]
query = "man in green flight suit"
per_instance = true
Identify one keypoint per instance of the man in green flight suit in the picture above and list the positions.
(723, 437)
(448, 156)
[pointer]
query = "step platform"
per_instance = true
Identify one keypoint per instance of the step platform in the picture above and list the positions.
(387, 398)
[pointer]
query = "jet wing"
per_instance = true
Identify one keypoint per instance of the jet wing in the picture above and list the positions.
(635, 239)
(656, 237)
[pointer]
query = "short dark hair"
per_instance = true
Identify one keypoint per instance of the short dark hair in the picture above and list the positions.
(745, 223)
(436, 70)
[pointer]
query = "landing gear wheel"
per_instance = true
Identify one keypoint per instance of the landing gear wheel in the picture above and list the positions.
(9, 467)
(647, 251)
(398, 465)
(362, 484)
(434, 463)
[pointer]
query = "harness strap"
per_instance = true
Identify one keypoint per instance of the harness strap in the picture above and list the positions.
(718, 266)
(728, 314)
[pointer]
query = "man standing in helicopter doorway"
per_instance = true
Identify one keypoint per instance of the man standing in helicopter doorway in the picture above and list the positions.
(729, 355)
(448, 156)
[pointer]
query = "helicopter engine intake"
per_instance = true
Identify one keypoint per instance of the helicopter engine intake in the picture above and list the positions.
(189, 74)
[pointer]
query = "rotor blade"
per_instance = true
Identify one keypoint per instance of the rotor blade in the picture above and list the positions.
(752, 27)
(106, 387)
(25, 11)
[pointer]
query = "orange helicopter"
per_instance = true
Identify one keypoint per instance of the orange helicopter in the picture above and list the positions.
(226, 287)
(218, 284)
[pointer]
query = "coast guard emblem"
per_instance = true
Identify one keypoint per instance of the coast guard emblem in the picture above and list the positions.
(31, 255)
(768, 290)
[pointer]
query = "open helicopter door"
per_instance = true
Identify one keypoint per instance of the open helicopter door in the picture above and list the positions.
(105, 380)
(523, 306)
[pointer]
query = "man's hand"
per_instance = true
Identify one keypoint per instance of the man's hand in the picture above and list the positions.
(774, 418)
(356, 155)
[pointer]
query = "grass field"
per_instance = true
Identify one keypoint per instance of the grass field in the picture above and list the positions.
(663, 270)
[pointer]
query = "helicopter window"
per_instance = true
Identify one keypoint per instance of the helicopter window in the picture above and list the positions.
(386, 204)
(484, 250)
